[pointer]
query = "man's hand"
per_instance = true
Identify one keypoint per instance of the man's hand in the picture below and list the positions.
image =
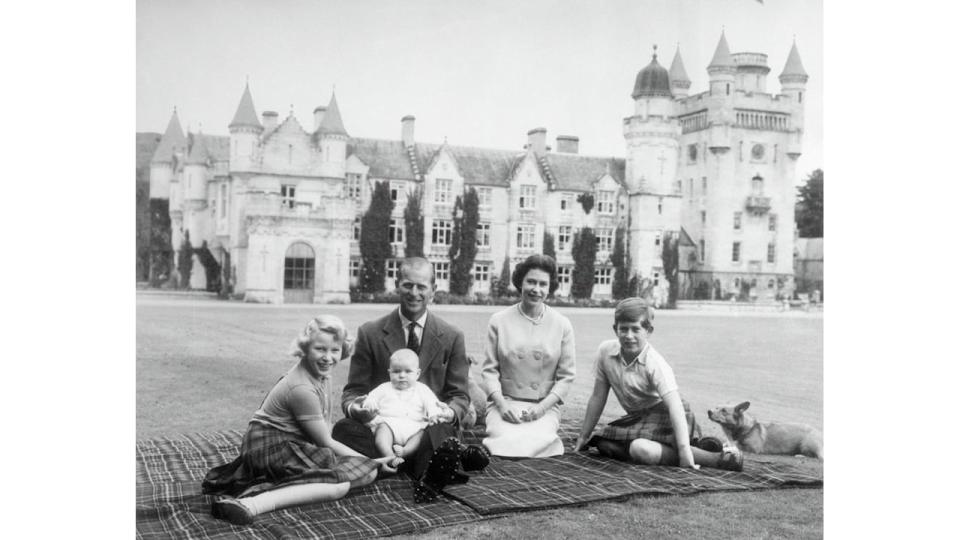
(360, 414)
(446, 415)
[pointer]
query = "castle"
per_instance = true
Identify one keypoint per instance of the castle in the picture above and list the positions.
(278, 207)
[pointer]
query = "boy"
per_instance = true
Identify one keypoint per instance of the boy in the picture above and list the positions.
(403, 408)
(647, 390)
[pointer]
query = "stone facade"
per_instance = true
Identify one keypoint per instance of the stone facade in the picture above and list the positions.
(278, 207)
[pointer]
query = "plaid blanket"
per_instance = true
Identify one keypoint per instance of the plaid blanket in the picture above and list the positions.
(170, 503)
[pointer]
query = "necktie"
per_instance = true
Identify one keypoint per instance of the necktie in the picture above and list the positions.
(413, 343)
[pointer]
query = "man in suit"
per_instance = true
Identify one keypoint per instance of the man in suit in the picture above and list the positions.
(443, 365)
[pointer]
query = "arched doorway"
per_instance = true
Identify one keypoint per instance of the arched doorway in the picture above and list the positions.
(298, 272)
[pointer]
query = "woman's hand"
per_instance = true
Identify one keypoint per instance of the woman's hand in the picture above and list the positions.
(533, 413)
(506, 412)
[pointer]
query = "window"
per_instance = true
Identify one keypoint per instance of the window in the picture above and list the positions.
(525, 236)
(485, 196)
(656, 278)
(703, 249)
(442, 232)
(395, 189)
(703, 218)
(736, 252)
(222, 206)
(481, 272)
(604, 239)
(393, 268)
(690, 187)
(603, 276)
(605, 202)
(353, 186)
(564, 235)
(657, 239)
(660, 206)
(483, 235)
(354, 268)
(771, 252)
(298, 266)
(757, 183)
(772, 222)
(287, 197)
(563, 275)
(737, 217)
(770, 284)
(528, 197)
(356, 228)
(703, 186)
(566, 202)
(443, 192)
(442, 270)
(395, 233)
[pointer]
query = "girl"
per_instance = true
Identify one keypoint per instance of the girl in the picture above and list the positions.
(287, 456)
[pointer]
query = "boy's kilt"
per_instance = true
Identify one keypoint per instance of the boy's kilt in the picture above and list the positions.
(270, 458)
(652, 424)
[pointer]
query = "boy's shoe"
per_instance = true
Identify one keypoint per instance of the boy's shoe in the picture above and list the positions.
(731, 460)
(231, 511)
(709, 444)
(474, 457)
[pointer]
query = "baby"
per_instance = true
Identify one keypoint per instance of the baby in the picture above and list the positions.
(404, 407)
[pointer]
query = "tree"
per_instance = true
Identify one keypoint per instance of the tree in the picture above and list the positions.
(809, 207)
(161, 246)
(621, 285)
(413, 223)
(548, 248)
(501, 286)
(586, 201)
(185, 261)
(463, 249)
(584, 257)
(671, 265)
(375, 240)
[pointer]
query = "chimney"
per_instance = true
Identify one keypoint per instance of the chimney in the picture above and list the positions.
(568, 144)
(269, 120)
(537, 140)
(318, 116)
(406, 130)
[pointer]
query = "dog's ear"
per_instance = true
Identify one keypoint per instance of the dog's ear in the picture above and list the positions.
(741, 407)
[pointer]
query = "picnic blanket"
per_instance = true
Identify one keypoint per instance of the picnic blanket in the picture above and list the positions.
(170, 503)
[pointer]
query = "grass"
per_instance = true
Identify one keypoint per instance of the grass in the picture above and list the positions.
(206, 365)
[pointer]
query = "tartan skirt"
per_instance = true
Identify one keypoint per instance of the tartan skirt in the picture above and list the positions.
(652, 424)
(270, 458)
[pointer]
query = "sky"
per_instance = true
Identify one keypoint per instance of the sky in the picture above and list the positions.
(472, 73)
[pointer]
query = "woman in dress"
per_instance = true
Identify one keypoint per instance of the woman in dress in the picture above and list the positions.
(529, 366)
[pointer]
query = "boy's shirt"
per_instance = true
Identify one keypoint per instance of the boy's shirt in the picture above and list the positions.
(638, 385)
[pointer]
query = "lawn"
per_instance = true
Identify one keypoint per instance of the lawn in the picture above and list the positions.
(206, 365)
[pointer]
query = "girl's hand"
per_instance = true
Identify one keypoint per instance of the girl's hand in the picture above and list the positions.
(686, 458)
(385, 464)
(580, 444)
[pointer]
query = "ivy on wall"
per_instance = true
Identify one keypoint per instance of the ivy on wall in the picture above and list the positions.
(374, 239)
(584, 256)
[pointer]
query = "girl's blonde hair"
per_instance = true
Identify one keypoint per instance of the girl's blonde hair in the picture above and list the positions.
(329, 324)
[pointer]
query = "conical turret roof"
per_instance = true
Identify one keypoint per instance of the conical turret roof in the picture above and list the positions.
(172, 141)
(793, 67)
(246, 115)
(198, 151)
(332, 124)
(721, 56)
(677, 72)
(652, 81)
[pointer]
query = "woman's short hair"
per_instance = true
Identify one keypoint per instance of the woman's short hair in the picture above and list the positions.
(634, 309)
(536, 262)
(328, 324)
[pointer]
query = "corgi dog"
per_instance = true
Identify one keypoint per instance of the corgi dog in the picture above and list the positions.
(477, 410)
(751, 435)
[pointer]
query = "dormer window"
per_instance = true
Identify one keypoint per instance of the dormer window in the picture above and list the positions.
(605, 202)
(528, 197)
(443, 192)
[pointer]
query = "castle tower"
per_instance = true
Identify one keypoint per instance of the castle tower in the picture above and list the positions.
(652, 138)
(722, 70)
(679, 81)
(245, 130)
(793, 82)
(331, 139)
(168, 152)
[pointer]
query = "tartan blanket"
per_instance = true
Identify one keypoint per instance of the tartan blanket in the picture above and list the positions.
(169, 503)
